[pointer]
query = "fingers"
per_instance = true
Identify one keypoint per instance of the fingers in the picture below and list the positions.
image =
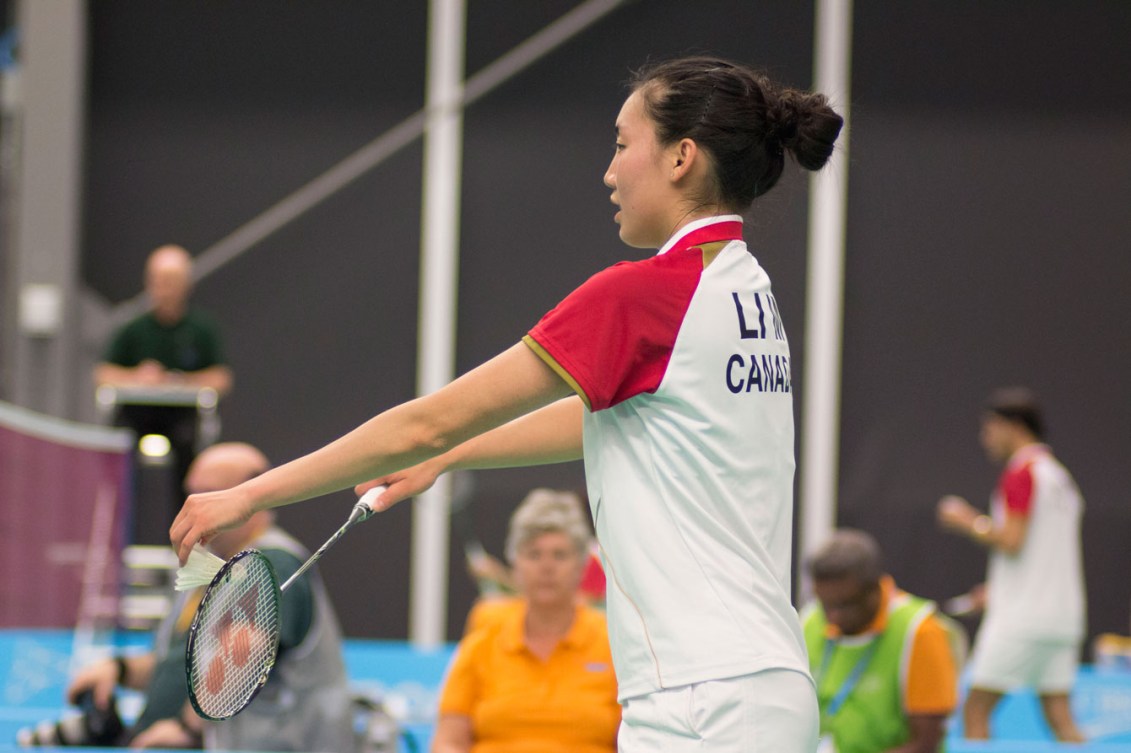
(203, 516)
(186, 531)
(183, 544)
(180, 539)
(99, 678)
(75, 690)
(371, 492)
(398, 490)
(178, 531)
(164, 733)
(953, 501)
(952, 508)
(103, 692)
(362, 488)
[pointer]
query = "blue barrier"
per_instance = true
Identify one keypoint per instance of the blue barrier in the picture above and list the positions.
(1101, 703)
(35, 666)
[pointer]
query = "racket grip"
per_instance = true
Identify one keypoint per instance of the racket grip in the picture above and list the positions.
(364, 506)
(960, 606)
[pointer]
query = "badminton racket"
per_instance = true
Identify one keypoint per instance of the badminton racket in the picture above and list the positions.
(234, 638)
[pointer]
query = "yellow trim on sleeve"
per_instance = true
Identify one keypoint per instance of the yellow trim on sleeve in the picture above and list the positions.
(557, 367)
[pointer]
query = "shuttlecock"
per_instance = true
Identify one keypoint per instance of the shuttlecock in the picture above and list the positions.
(199, 570)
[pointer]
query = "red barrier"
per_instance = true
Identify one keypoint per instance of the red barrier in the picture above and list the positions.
(64, 498)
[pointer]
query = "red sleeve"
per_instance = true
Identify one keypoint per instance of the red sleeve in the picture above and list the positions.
(613, 336)
(1017, 490)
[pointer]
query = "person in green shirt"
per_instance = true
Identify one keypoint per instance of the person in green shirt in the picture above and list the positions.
(170, 345)
(885, 662)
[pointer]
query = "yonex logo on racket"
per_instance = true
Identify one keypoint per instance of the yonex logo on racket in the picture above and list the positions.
(236, 632)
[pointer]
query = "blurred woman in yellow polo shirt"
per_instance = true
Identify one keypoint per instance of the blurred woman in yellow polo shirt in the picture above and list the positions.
(538, 676)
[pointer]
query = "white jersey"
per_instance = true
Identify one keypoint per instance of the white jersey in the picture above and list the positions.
(1038, 592)
(688, 445)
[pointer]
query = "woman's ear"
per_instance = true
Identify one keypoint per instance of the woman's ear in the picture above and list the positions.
(683, 155)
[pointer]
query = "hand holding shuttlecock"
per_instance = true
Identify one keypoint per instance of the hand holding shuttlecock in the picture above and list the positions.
(202, 565)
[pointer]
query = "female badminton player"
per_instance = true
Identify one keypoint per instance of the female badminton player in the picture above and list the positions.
(670, 376)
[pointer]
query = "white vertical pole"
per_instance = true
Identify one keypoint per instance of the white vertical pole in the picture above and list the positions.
(43, 259)
(439, 266)
(824, 298)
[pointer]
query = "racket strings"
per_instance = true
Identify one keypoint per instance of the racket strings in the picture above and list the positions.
(236, 638)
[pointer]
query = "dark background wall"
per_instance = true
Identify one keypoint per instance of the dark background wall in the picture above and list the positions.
(987, 235)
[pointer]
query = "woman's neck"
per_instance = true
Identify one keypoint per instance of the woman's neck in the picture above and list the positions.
(701, 212)
(546, 620)
(545, 626)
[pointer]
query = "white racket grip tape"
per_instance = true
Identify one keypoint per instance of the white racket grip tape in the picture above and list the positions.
(371, 496)
(961, 606)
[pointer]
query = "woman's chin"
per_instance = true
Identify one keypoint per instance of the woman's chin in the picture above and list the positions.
(550, 600)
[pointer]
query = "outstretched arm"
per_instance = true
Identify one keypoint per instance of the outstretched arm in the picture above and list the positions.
(181, 731)
(548, 435)
(927, 731)
(512, 384)
(956, 514)
(453, 734)
(102, 677)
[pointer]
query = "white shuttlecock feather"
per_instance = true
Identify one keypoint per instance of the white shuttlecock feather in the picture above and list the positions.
(199, 570)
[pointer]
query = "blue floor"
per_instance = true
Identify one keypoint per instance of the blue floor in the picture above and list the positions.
(36, 664)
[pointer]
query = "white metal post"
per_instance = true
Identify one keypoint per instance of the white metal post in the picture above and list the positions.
(47, 194)
(439, 267)
(824, 298)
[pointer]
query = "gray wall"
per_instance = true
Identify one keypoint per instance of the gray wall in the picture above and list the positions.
(988, 238)
(990, 164)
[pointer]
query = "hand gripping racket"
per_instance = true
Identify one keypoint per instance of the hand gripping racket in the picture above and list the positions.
(234, 637)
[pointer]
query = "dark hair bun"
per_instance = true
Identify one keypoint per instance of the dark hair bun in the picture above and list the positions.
(805, 125)
(742, 119)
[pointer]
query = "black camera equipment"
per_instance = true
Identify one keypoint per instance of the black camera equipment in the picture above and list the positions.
(92, 727)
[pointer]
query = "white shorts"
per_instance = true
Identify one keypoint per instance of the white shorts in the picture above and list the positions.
(1002, 662)
(774, 711)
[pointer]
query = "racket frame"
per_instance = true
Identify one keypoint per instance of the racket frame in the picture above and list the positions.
(361, 511)
(194, 633)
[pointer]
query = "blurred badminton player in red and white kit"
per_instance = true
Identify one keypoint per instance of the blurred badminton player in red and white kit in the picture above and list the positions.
(1034, 622)
(670, 376)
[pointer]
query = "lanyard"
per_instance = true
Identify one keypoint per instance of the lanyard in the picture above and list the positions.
(853, 676)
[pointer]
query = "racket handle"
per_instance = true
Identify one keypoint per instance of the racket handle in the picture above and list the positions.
(364, 507)
(961, 606)
(361, 511)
